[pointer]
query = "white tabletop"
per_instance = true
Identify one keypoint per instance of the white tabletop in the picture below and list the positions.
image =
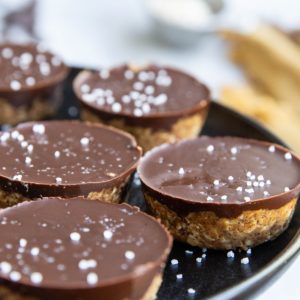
(104, 33)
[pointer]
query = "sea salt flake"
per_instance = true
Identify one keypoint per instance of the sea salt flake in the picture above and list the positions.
(245, 261)
(15, 276)
(104, 74)
(181, 171)
(129, 255)
(85, 264)
(138, 86)
(116, 107)
(107, 234)
(128, 74)
(75, 236)
(5, 267)
(138, 112)
(199, 259)
(216, 182)
(7, 53)
(34, 251)
(191, 291)
(210, 148)
(271, 149)
(288, 156)
(233, 150)
(38, 128)
(125, 99)
(36, 278)
(23, 242)
(230, 178)
(260, 177)
(28, 160)
(15, 85)
(92, 278)
(84, 141)
(85, 88)
(58, 180)
(4, 137)
(149, 89)
(230, 254)
(17, 177)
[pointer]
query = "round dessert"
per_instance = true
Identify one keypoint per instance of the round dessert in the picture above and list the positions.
(156, 104)
(31, 82)
(79, 250)
(222, 192)
(65, 159)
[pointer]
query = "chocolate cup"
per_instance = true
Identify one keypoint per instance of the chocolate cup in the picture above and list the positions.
(214, 221)
(32, 102)
(163, 126)
(96, 187)
(132, 284)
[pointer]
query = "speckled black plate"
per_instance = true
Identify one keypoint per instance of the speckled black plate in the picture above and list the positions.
(216, 276)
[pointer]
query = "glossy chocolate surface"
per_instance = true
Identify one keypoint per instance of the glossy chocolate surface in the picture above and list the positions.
(65, 158)
(80, 249)
(148, 94)
(27, 71)
(225, 174)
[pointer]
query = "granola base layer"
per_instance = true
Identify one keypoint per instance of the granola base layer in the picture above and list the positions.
(206, 230)
(147, 138)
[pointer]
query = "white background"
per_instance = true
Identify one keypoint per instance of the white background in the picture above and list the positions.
(107, 32)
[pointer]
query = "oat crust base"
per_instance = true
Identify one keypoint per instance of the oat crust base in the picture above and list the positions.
(147, 138)
(206, 230)
(110, 195)
(39, 109)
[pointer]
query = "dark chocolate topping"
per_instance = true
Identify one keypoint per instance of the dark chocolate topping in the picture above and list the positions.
(65, 158)
(53, 247)
(29, 66)
(141, 93)
(224, 174)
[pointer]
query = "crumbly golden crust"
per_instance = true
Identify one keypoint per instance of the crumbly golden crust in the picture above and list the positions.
(111, 195)
(147, 138)
(8, 199)
(39, 109)
(206, 229)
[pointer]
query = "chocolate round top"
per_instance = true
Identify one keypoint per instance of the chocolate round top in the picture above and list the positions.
(65, 158)
(77, 245)
(144, 92)
(224, 174)
(25, 67)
